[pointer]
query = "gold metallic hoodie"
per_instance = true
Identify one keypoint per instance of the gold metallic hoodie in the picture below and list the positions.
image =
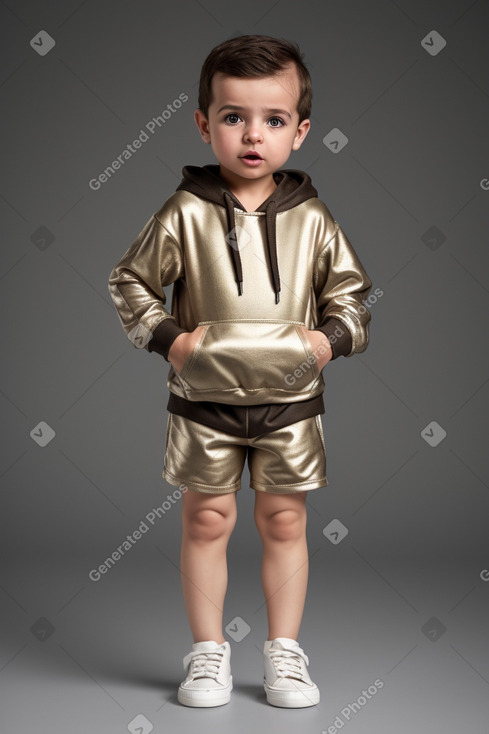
(252, 279)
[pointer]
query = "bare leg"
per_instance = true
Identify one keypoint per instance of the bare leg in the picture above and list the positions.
(207, 523)
(281, 522)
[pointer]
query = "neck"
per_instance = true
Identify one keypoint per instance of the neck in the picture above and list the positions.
(255, 191)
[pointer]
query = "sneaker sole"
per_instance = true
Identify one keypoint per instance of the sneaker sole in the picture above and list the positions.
(292, 699)
(204, 698)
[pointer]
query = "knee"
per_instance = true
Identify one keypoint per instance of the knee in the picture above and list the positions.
(283, 525)
(207, 525)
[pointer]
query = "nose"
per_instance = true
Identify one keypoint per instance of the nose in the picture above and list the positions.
(252, 133)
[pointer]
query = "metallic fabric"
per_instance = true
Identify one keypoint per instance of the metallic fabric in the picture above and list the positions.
(289, 460)
(252, 350)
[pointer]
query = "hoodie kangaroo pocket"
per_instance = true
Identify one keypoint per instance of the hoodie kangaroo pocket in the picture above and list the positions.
(251, 356)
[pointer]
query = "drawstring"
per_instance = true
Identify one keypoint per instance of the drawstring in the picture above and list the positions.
(270, 221)
(234, 248)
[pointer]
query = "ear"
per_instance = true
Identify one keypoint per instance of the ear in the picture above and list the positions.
(203, 125)
(301, 133)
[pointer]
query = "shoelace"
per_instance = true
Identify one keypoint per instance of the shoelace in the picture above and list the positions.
(206, 664)
(288, 663)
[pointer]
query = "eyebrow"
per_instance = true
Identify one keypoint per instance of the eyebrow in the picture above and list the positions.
(264, 109)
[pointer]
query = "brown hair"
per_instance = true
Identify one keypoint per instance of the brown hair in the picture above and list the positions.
(254, 57)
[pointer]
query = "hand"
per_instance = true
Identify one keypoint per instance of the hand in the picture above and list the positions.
(320, 346)
(183, 346)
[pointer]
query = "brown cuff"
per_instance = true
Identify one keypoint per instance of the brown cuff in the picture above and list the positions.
(163, 337)
(339, 336)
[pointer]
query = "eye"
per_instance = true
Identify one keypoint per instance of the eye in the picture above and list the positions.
(232, 118)
(276, 122)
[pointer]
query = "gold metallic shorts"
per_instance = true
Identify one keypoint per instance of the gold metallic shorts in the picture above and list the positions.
(290, 459)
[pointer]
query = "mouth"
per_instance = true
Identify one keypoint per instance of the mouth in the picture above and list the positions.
(252, 156)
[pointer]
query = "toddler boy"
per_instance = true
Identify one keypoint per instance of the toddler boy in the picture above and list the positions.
(267, 290)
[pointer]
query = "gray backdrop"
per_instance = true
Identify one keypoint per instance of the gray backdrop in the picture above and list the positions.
(397, 607)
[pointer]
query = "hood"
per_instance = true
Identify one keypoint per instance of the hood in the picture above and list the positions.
(293, 187)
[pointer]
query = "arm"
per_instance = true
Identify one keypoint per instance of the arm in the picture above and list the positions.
(136, 286)
(341, 285)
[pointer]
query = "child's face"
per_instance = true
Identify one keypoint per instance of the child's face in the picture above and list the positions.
(253, 115)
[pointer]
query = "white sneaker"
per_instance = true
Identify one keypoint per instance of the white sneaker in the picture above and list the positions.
(209, 681)
(287, 682)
